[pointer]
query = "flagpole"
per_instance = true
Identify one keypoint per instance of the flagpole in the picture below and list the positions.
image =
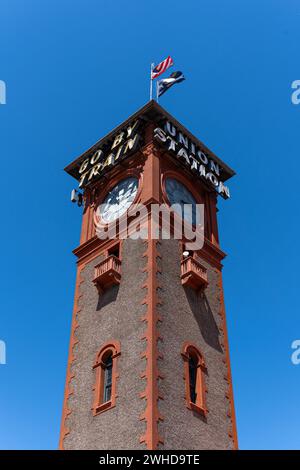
(151, 81)
(157, 91)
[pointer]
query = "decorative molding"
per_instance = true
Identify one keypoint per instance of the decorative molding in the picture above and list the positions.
(232, 432)
(98, 405)
(186, 351)
(86, 250)
(151, 394)
(70, 375)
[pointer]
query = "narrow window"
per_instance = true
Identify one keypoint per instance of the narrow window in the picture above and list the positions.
(107, 367)
(193, 379)
(106, 374)
(194, 376)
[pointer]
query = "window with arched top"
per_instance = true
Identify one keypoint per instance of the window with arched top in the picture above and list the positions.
(105, 368)
(107, 382)
(194, 376)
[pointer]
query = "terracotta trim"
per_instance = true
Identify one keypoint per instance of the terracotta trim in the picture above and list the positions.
(98, 405)
(229, 395)
(151, 394)
(86, 216)
(94, 248)
(151, 192)
(70, 375)
(84, 250)
(113, 345)
(212, 254)
(212, 199)
(199, 407)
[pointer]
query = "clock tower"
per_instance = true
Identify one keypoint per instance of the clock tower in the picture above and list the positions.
(148, 363)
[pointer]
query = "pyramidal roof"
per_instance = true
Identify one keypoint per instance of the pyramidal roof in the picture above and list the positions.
(151, 112)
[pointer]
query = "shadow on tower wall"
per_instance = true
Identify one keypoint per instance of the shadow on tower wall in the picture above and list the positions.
(108, 296)
(204, 316)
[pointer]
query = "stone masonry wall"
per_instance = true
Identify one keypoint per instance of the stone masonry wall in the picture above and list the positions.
(186, 316)
(115, 315)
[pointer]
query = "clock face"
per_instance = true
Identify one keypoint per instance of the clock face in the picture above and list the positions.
(178, 194)
(119, 199)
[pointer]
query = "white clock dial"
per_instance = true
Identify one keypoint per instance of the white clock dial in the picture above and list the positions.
(178, 194)
(119, 199)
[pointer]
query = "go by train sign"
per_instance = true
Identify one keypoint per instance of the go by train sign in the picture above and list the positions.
(123, 144)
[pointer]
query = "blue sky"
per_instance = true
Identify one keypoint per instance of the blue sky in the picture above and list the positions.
(76, 69)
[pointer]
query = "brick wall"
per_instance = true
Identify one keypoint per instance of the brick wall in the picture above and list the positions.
(186, 316)
(114, 315)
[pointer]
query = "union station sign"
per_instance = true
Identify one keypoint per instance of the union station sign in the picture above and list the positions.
(186, 151)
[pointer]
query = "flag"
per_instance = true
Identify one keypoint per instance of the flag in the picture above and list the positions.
(164, 84)
(162, 67)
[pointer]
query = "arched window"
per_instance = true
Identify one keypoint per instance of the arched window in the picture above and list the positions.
(107, 382)
(105, 367)
(194, 376)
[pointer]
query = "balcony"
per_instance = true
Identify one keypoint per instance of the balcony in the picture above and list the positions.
(193, 274)
(107, 273)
